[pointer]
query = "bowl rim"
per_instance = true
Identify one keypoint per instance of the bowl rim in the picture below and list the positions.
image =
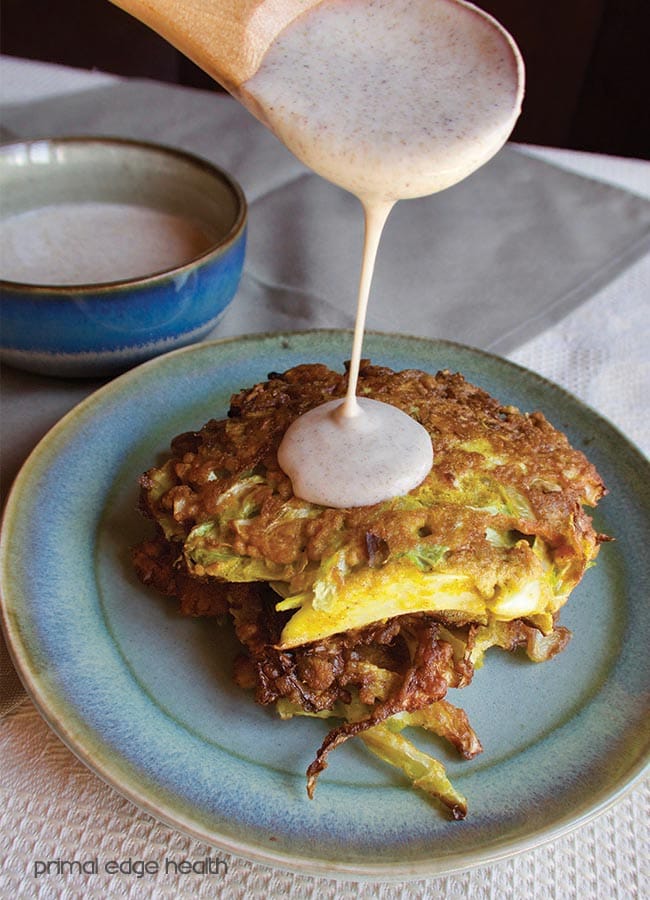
(230, 238)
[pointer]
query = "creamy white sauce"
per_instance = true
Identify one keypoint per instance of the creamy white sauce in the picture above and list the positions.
(373, 439)
(94, 243)
(389, 99)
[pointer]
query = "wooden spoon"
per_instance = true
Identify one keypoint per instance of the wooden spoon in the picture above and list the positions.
(226, 38)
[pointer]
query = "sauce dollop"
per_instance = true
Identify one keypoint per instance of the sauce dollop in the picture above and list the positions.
(332, 457)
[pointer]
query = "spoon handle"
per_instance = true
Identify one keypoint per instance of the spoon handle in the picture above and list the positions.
(226, 38)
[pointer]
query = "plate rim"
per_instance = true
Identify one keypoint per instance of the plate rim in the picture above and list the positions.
(384, 872)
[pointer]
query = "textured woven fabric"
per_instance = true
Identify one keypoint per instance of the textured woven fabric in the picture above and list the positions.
(52, 807)
(600, 353)
(11, 689)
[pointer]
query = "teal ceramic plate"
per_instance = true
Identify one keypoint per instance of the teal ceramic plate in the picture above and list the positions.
(146, 700)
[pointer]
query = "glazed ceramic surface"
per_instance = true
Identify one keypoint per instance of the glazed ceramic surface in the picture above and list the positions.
(145, 698)
(111, 322)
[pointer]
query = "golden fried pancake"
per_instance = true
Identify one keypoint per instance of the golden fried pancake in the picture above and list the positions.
(370, 614)
(496, 530)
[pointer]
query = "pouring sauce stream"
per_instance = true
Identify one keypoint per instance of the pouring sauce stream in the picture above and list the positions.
(390, 100)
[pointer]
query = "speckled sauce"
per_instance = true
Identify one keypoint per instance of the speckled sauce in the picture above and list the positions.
(372, 439)
(94, 243)
(389, 99)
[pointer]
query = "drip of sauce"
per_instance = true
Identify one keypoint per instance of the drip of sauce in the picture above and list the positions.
(389, 99)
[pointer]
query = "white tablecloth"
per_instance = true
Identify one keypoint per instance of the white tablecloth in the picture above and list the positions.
(52, 808)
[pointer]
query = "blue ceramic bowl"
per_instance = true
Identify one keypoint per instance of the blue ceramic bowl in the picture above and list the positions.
(111, 252)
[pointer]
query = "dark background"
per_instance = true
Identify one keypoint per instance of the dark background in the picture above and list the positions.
(586, 61)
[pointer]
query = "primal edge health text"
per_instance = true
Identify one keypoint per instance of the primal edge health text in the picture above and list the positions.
(209, 865)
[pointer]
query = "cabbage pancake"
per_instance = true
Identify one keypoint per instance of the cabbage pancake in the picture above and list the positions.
(370, 614)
